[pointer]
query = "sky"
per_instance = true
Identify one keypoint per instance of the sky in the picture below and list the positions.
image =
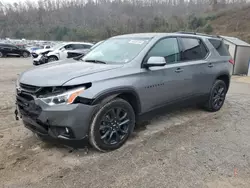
(13, 1)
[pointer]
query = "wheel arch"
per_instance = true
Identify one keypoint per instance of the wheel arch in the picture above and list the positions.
(128, 94)
(224, 77)
(54, 55)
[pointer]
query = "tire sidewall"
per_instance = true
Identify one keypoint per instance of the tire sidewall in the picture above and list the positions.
(52, 58)
(25, 54)
(1, 54)
(95, 140)
(210, 102)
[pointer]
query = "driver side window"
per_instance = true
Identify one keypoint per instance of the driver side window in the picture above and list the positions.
(68, 47)
(167, 48)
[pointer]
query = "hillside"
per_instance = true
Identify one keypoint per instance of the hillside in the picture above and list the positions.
(233, 23)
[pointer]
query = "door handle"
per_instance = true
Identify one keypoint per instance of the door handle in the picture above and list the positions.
(210, 65)
(178, 70)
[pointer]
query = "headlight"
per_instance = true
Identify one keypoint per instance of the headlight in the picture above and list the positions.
(65, 98)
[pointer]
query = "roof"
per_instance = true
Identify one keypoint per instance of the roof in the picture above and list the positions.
(235, 41)
(76, 43)
(152, 35)
(141, 35)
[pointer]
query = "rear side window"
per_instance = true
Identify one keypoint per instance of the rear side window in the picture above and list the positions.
(193, 49)
(220, 47)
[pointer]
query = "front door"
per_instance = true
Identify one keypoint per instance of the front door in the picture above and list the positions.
(15, 50)
(169, 83)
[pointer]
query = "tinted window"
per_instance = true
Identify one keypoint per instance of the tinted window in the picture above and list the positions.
(77, 46)
(87, 46)
(68, 47)
(81, 46)
(11, 46)
(167, 48)
(193, 49)
(220, 47)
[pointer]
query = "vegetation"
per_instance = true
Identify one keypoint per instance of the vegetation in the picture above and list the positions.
(95, 20)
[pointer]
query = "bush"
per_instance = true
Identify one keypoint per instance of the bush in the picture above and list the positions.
(208, 28)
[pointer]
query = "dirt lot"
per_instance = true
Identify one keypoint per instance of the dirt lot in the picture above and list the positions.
(183, 148)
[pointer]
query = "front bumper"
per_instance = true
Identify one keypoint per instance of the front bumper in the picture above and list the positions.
(65, 122)
(40, 60)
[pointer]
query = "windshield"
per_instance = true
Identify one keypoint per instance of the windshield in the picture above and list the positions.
(117, 50)
(58, 46)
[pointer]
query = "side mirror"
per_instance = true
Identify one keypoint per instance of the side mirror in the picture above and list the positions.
(155, 61)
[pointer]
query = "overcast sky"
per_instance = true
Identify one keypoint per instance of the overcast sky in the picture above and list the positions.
(13, 1)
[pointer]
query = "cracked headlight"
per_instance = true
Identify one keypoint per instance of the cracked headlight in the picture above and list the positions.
(64, 98)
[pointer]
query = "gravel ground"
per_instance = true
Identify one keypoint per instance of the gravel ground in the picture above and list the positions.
(180, 148)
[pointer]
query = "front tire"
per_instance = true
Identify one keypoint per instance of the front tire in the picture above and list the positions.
(217, 96)
(52, 58)
(112, 125)
(25, 54)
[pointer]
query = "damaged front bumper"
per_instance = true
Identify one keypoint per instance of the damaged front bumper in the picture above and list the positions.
(65, 122)
(41, 59)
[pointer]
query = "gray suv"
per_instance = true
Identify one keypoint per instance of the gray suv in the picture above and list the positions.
(100, 96)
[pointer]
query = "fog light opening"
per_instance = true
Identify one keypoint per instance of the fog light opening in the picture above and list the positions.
(63, 132)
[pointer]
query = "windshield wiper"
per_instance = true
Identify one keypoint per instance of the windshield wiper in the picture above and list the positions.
(95, 61)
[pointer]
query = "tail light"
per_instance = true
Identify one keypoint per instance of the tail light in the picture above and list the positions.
(231, 61)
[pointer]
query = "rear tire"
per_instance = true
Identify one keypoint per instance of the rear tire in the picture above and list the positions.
(112, 125)
(1, 54)
(217, 96)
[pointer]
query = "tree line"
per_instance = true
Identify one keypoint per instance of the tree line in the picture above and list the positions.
(94, 20)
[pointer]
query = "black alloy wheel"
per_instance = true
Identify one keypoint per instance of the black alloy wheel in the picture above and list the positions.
(112, 125)
(217, 96)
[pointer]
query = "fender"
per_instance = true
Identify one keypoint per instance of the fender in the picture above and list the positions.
(223, 74)
(110, 94)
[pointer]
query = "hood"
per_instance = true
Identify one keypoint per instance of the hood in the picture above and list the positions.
(56, 74)
(52, 52)
(42, 51)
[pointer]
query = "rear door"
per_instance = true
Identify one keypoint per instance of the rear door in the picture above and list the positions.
(167, 84)
(194, 54)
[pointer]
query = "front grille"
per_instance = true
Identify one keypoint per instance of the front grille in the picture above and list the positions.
(27, 106)
(29, 88)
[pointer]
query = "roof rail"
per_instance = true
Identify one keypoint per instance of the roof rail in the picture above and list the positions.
(194, 33)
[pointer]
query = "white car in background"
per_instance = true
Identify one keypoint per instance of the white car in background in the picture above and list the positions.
(59, 51)
(62, 52)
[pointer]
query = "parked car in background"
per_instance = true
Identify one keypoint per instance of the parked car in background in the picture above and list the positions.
(43, 51)
(12, 50)
(100, 97)
(32, 49)
(60, 52)
(81, 53)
